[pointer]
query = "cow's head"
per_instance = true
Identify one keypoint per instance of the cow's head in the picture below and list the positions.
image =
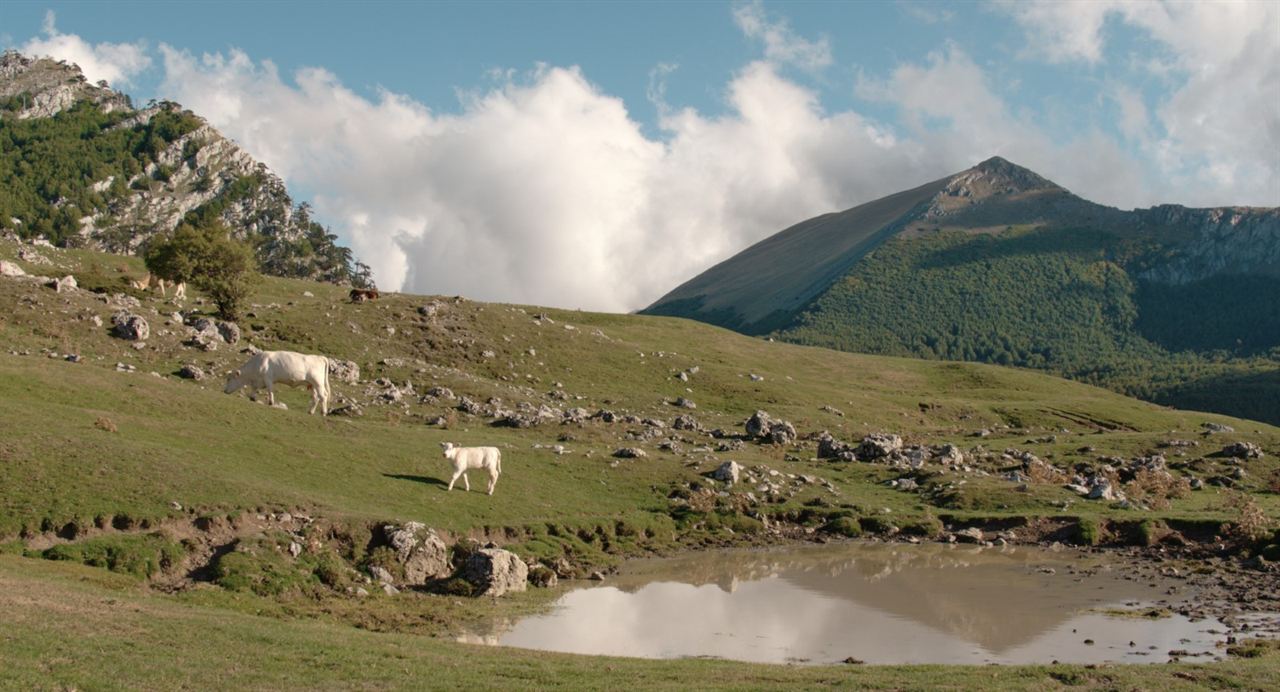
(447, 447)
(234, 382)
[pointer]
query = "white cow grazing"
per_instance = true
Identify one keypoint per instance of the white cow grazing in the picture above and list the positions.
(463, 458)
(269, 368)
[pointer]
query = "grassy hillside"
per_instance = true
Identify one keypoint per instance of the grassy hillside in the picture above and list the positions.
(1064, 301)
(178, 486)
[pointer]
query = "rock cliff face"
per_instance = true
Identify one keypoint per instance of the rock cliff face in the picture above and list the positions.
(43, 87)
(1227, 240)
(198, 172)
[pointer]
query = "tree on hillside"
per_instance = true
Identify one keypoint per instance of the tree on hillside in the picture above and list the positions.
(210, 259)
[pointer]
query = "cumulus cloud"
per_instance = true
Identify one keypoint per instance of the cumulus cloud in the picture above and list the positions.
(542, 188)
(954, 112)
(781, 44)
(115, 62)
(1217, 131)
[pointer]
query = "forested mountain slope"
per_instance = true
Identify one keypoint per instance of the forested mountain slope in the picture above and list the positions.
(997, 264)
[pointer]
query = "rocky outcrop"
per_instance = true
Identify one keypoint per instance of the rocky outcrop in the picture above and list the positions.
(344, 370)
(129, 326)
(43, 87)
(878, 445)
(764, 428)
(422, 553)
(495, 572)
(729, 472)
(196, 168)
(1225, 240)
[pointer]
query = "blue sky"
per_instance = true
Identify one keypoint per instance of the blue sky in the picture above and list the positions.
(583, 136)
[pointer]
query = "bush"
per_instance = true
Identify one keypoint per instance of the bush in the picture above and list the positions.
(211, 260)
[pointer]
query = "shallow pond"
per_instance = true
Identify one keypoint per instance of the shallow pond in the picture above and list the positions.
(878, 603)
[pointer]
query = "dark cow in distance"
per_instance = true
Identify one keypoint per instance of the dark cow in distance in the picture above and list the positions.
(360, 295)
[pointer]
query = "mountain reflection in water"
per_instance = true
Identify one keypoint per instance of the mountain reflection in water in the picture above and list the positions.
(881, 603)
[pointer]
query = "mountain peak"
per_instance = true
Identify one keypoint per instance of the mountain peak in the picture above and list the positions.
(998, 176)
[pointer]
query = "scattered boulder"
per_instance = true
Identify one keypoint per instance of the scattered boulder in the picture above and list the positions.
(63, 285)
(831, 448)
(381, 574)
(764, 428)
(758, 424)
(10, 269)
(575, 415)
(729, 472)
(949, 455)
(441, 393)
(878, 445)
(606, 416)
(630, 453)
(421, 552)
(682, 402)
(972, 534)
(1102, 489)
(495, 572)
(685, 422)
(191, 372)
(1242, 450)
(129, 326)
(1210, 427)
(204, 334)
(229, 331)
(344, 370)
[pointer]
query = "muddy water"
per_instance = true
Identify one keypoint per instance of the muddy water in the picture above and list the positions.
(879, 603)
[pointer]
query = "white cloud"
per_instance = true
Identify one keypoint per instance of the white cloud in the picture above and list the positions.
(957, 115)
(927, 12)
(781, 44)
(1062, 30)
(115, 62)
(544, 189)
(1215, 137)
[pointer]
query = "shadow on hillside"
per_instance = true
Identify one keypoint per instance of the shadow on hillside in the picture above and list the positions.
(417, 479)
(1088, 242)
(1252, 395)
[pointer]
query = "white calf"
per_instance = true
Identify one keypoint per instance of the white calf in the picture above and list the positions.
(268, 368)
(463, 458)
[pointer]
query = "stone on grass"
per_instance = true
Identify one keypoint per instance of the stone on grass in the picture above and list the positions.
(495, 572)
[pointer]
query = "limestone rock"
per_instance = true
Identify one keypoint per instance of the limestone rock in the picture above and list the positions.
(421, 552)
(1242, 450)
(344, 370)
(878, 445)
(729, 472)
(495, 572)
(129, 326)
(191, 372)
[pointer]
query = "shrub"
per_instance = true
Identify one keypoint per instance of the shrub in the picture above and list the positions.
(209, 258)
